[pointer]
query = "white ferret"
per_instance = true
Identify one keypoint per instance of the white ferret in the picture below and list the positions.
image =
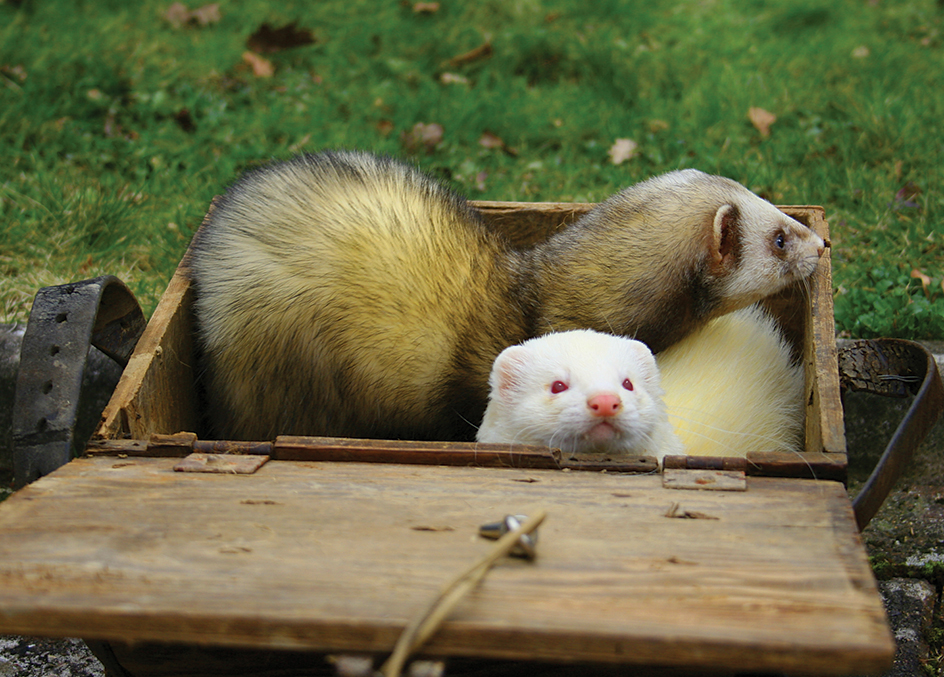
(584, 392)
(726, 389)
(345, 294)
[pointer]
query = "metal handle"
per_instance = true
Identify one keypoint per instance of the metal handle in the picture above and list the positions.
(894, 368)
(64, 322)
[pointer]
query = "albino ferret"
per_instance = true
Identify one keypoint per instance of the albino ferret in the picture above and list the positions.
(726, 389)
(581, 391)
(351, 295)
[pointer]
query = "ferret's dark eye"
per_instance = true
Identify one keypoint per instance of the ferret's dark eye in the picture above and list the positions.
(628, 384)
(780, 241)
(558, 387)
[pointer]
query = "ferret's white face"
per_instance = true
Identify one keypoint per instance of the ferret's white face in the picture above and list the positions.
(776, 252)
(581, 391)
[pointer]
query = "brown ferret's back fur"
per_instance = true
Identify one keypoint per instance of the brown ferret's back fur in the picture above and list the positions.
(345, 294)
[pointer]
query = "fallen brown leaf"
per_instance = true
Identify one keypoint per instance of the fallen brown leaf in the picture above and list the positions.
(184, 120)
(489, 140)
(425, 7)
(622, 150)
(761, 119)
(261, 68)
(483, 51)
(206, 15)
(422, 136)
(177, 15)
(925, 281)
(267, 39)
(14, 73)
(453, 79)
(493, 141)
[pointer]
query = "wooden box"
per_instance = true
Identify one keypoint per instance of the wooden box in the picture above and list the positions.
(333, 545)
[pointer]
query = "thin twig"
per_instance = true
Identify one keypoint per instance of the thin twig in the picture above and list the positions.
(423, 626)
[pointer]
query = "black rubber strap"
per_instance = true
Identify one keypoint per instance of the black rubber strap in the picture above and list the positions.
(894, 368)
(64, 321)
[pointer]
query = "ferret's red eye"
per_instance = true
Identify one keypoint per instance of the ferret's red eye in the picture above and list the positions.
(558, 387)
(628, 384)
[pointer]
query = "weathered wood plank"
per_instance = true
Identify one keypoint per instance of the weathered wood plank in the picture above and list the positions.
(338, 556)
(156, 392)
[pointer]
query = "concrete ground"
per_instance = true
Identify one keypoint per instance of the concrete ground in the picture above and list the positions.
(905, 540)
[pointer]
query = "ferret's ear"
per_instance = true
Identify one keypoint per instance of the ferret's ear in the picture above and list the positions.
(509, 370)
(725, 235)
(646, 359)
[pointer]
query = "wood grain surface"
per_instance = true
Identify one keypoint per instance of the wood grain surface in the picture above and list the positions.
(339, 556)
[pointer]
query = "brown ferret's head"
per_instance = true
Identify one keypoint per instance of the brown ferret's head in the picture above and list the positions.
(755, 249)
(725, 243)
(663, 256)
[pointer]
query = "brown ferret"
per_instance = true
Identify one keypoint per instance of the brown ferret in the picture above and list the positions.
(346, 294)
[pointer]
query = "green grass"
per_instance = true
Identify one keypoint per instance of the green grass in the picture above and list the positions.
(102, 171)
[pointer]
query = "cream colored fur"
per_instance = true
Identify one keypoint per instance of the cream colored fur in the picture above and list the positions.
(732, 387)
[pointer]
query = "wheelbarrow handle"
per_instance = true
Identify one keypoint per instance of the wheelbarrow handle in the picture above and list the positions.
(64, 321)
(894, 368)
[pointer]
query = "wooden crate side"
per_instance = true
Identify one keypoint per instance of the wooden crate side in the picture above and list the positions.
(527, 223)
(156, 392)
(824, 420)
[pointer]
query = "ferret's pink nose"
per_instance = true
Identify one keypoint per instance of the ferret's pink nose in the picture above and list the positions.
(604, 404)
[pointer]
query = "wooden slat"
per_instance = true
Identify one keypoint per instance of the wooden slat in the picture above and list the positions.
(156, 392)
(824, 419)
(338, 556)
(527, 223)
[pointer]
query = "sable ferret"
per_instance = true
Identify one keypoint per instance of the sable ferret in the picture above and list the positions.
(728, 388)
(346, 294)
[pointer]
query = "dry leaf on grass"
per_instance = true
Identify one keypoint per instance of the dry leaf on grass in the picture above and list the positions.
(267, 39)
(489, 140)
(185, 120)
(425, 7)
(453, 79)
(422, 136)
(261, 67)
(493, 141)
(483, 51)
(761, 119)
(622, 150)
(925, 281)
(178, 15)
